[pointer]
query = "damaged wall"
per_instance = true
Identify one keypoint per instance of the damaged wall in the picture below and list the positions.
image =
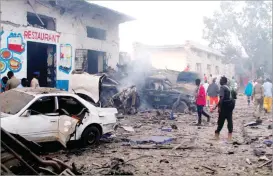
(178, 57)
(70, 33)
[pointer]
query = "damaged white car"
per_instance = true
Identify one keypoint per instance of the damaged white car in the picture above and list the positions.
(45, 114)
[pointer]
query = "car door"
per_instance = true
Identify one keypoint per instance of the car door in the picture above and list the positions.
(71, 109)
(40, 121)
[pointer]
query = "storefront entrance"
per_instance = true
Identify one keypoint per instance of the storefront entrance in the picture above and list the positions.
(41, 58)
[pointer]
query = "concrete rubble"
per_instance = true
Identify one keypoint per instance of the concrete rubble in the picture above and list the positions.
(140, 146)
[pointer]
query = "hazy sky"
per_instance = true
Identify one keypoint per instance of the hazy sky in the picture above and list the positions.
(161, 22)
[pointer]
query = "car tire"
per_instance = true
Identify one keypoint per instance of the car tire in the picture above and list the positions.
(182, 107)
(91, 136)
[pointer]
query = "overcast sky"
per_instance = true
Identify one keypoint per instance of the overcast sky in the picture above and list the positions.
(161, 22)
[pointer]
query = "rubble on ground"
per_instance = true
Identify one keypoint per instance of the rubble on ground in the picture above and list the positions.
(140, 146)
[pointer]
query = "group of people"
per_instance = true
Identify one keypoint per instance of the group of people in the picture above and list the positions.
(260, 92)
(210, 92)
(10, 82)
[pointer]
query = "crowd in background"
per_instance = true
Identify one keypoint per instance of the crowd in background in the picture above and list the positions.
(11, 82)
(260, 91)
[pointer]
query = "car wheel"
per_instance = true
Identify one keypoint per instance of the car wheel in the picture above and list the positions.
(182, 107)
(91, 136)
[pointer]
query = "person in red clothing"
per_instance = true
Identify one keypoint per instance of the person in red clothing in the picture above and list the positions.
(200, 101)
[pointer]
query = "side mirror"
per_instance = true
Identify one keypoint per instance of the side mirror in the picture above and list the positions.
(27, 113)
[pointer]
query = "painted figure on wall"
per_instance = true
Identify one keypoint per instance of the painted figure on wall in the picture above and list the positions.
(65, 64)
(15, 43)
(10, 56)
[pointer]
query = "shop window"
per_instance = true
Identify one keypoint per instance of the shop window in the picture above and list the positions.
(198, 67)
(96, 33)
(44, 22)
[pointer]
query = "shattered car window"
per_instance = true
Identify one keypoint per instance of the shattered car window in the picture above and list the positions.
(13, 101)
(70, 104)
(43, 105)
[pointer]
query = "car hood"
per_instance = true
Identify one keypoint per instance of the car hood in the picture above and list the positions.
(4, 115)
(86, 84)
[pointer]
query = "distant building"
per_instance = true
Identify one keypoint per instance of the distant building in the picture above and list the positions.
(189, 56)
(55, 37)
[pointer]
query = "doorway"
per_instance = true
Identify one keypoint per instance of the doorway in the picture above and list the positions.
(95, 61)
(41, 58)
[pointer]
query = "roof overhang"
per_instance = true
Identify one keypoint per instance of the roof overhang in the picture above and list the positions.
(86, 6)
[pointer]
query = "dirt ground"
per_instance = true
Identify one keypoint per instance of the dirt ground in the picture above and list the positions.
(200, 154)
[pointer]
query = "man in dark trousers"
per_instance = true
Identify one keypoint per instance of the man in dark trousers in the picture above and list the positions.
(225, 109)
(213, 92)
(200, 101)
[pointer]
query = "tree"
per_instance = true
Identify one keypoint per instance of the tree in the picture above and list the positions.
(242, 29)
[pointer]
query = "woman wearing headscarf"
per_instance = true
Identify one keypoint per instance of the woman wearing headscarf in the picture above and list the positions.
(249, 91)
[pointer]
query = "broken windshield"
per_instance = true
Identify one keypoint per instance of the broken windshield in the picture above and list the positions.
(13, 101)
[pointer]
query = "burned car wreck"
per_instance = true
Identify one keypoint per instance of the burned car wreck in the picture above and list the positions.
(102, 91)
(158, 92)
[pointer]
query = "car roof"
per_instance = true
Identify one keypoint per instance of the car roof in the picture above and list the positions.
(40, 90)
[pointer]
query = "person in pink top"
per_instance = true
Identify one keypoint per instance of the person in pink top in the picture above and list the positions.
(201, 101)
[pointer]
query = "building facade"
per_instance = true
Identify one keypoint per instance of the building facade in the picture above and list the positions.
(196, 57)
(56, 37)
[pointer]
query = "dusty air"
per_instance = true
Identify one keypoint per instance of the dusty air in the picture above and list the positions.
(181, 88)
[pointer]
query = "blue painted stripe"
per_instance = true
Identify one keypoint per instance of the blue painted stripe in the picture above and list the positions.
(62, 84)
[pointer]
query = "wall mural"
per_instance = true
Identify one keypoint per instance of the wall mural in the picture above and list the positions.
(10, 56)
(65, 64)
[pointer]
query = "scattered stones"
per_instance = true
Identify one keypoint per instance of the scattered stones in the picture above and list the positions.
(258, 152)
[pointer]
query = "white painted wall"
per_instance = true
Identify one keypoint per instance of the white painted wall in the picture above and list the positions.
(71, 28)
(178, 59)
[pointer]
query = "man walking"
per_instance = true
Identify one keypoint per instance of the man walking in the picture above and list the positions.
(213, 92)
(200, 101)
(225, 109)
(13, 82)
(206, 85)
(258, 95)
(267, 95)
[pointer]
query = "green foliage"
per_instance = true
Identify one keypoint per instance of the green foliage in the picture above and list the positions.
(242, 28)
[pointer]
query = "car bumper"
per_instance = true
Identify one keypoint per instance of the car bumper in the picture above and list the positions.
(108, 128)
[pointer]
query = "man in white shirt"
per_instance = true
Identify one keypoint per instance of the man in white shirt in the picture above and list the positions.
(267, 95)
(35, 82)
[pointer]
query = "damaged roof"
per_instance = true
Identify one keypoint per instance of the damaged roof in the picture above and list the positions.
(81, 5)
(188, 43)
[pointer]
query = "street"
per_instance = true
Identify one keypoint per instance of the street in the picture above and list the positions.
(192, 150)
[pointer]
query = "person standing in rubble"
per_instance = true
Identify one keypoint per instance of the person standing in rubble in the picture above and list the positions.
(258, 96)
(210, 79)
(213, 93)
(206, 85)
(201, 101)
(205, 77)
(35, 80)
(225, 109)
(233, 84)
(267, 95)
(249, 91)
